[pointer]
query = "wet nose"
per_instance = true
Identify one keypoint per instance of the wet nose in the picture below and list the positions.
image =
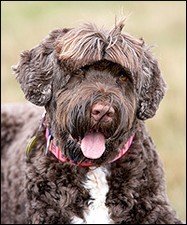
(101, 112)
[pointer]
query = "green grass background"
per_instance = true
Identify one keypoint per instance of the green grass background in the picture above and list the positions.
(160, 23)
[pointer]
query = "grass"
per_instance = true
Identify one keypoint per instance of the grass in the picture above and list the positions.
(160, 23)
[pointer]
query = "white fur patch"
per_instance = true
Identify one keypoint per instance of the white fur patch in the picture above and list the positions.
(97, 212)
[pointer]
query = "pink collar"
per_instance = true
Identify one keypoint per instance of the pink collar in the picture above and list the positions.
(52, 147)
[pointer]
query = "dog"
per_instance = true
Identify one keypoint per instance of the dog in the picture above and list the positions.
(85, 157)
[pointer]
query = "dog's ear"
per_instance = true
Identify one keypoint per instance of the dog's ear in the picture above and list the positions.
(36, 67)
(152, 87)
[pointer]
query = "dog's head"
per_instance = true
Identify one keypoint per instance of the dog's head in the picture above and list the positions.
(94, 85)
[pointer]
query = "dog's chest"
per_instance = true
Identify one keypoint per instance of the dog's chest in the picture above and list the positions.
(97, 212)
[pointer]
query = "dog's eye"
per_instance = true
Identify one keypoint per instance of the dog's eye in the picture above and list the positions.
(123, 77)
(82, 74)
(79, 73)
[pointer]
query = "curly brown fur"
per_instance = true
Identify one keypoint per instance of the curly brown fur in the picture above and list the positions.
(72, 73)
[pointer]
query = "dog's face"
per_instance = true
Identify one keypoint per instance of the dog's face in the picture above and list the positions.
(93, 114)
(94, 86)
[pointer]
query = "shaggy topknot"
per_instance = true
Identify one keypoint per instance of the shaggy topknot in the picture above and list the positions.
(87, 44)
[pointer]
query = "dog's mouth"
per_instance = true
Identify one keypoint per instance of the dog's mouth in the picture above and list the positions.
(93, 145)
(93, 139)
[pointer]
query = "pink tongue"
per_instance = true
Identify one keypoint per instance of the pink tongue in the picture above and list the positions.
(93, 145)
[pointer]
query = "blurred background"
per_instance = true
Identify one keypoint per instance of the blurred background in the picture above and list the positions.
(160, 23)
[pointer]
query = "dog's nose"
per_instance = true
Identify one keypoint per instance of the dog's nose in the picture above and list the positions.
(101, 112)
